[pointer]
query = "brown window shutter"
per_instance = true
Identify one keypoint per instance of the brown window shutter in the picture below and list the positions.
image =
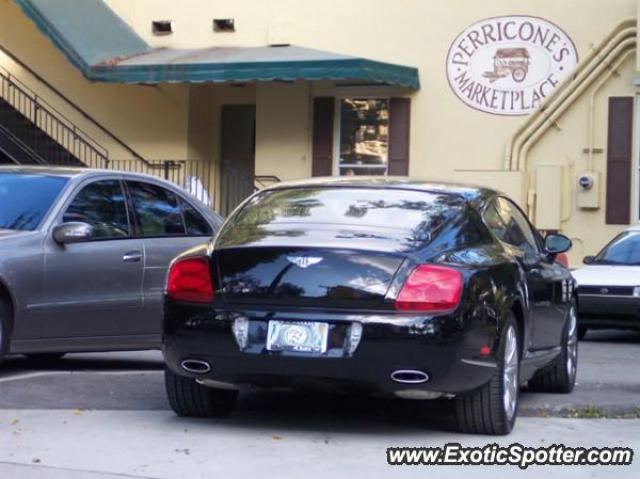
(323, 117)
(620, 137)
(399, 126)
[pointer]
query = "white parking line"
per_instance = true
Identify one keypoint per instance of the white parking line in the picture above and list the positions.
(37, 374)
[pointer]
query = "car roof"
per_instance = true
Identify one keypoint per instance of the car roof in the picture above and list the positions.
(471, 193)
(79, 174)
(63, 171)
(76, 172)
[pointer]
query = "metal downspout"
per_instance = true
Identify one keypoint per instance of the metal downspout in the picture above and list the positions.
(617, 35)
(559, 108)
(592, 98)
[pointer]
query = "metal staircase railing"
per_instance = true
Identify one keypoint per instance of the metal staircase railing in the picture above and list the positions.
(196, 176)
(17, 151)
(51, 122)
(58, 94)
(236, 185)
(200, 179)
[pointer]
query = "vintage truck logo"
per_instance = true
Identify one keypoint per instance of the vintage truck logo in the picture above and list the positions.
(508, 65)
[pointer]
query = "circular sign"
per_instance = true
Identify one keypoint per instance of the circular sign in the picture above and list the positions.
(508, 65)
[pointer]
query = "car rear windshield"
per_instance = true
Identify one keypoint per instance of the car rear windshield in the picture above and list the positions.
(623, 250)
(25, 199)
(404, 210)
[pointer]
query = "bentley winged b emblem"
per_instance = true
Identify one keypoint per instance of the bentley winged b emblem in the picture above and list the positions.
(304, 261)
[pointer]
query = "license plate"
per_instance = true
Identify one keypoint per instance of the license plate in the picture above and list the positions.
(300, 336)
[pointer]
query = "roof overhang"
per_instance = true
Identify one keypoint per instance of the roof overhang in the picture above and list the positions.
(246, 64)
(106, 49)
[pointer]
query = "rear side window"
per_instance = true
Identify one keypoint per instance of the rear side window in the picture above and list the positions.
(102, 205)
(158, 210)
(516, 220)
(510, 225)
(495, 223)
(194, 222)
(475, 232)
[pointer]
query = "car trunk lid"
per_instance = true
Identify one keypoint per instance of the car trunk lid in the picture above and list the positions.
(305, 276)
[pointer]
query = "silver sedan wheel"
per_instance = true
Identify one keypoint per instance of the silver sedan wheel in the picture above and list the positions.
(510, 373)
(572, 344)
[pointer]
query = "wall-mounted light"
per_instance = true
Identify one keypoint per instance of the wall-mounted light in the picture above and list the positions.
(224, 25)
(162, 27)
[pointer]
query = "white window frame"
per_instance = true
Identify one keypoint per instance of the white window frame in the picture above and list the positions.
(337, 125)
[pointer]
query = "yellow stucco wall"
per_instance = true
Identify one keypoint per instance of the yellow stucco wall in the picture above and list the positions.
(283, 130)
(447, 134)
(564, 145)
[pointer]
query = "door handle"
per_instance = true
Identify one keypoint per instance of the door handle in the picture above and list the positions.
(132, 257)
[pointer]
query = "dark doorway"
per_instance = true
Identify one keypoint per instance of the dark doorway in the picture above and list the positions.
(238, 155)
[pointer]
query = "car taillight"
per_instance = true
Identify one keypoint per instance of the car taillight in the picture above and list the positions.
(430, 288)
(190, 280)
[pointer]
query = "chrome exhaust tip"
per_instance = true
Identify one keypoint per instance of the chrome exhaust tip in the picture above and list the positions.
(195, 366)
(409, 376)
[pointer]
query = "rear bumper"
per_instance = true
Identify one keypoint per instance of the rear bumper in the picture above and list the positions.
(601, 311)
(438, 346)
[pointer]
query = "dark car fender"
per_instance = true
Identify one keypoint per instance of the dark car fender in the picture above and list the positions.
(515, 300)
(493, 293)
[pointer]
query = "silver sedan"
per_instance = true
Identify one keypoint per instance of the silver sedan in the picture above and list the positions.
(84, 254)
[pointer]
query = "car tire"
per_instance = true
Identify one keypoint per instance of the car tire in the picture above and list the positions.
(190, 399)
(5, 329)
(582, 332)
(492, 409)
(560, 375)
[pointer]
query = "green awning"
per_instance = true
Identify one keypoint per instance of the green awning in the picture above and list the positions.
(245, 64)
(106, 49)
(88, 32)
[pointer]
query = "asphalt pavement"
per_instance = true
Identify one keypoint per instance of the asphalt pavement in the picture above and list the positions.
(608, 384)
(105, 415)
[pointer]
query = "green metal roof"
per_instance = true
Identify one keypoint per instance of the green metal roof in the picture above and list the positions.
(245, 64)
(88, 32)
(106, 49)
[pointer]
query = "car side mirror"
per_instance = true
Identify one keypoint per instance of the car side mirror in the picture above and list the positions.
(556, 243)
(72, 232)
(588, 259)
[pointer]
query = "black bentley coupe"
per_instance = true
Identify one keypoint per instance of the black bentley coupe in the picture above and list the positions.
(387, 286)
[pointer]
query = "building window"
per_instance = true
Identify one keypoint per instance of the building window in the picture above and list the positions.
(364, 136)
